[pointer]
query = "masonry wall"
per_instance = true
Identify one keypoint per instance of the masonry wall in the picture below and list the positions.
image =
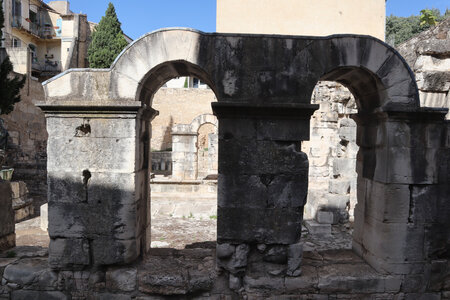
(27, 143)
(332, 152)
(428, 55)
(177, 106)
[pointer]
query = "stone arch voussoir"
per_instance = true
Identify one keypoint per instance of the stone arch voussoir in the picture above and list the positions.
(371, 69)
(146, 64)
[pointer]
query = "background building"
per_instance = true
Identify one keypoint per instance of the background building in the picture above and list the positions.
(45, 39)
(300, 17)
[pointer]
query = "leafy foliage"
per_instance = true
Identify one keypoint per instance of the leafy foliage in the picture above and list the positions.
(427, 17)
(107, 40)
(401, 29)
(9, 85)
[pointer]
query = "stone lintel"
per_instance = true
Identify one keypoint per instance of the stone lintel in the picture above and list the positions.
(296, 111)
(97, 108)
(422, 114)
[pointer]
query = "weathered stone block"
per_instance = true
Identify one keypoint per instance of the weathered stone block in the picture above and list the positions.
(19, 189)
(70, 154)
(225, 250)
(315, 228)
(38, 295)
(242, 191)
(337, 202)
(355, 278)
(83, 220)
(343, 167)
(123, 188)
(44, 217)
(68, 253)
(402, 241)
(339, 186)
(7, 237)
(106, 127)
(294, 130)
(307, 282)
(237, 262)
(327, 217)
(387, 202)
(237, 129)
(25, 272)
(261, 157)
(276, 254)
(347, 134)
(266, 226)
(286, 191)
(108, 251)
(294, 256)
(121, 279)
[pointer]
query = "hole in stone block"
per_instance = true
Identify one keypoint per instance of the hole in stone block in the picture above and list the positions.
(83, 130)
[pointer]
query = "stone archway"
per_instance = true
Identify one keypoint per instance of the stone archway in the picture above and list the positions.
(263, 86)
(185, 148)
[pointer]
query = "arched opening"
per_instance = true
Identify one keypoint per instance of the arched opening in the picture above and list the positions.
(183, 184)
(332, 151)
(332, 178)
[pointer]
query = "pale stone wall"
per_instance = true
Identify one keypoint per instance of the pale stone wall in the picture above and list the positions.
(177, 106)
(294, 17)
(28, 141)
(20, 58)
(22, 203)
(332, 153)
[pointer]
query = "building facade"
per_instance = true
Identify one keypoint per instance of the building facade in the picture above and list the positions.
(44, 39)
(300, 17)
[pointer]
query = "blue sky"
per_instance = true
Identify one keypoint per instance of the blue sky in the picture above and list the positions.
(141, 16)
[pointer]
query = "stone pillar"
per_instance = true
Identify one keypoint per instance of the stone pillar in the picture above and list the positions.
(263, 182)
(402, 199)
(7, 228)
(22, 203)
(98, 183)
(184, 153)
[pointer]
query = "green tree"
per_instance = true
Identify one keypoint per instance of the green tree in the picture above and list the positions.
(10, 85)
(107, 40)
(401, 29)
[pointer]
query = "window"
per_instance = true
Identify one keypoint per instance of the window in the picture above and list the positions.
(33, 53)
(16, 43)
(16, 13)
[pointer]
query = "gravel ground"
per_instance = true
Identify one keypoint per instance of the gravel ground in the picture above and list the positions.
(178, 233)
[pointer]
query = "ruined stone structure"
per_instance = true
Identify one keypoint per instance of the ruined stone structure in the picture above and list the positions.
(428, 55)
(22, 203)
(7, 235)
(99, 125)
(27, 142)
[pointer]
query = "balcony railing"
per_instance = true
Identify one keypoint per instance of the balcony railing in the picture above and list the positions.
(49, 66)
(16, 21)
(46, 31)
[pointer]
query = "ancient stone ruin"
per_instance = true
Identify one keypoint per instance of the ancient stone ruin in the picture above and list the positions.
(99, 127)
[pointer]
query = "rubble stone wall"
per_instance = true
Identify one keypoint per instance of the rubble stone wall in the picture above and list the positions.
(332, 153)
(7, 229)
(428, 55)
(27, 143)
